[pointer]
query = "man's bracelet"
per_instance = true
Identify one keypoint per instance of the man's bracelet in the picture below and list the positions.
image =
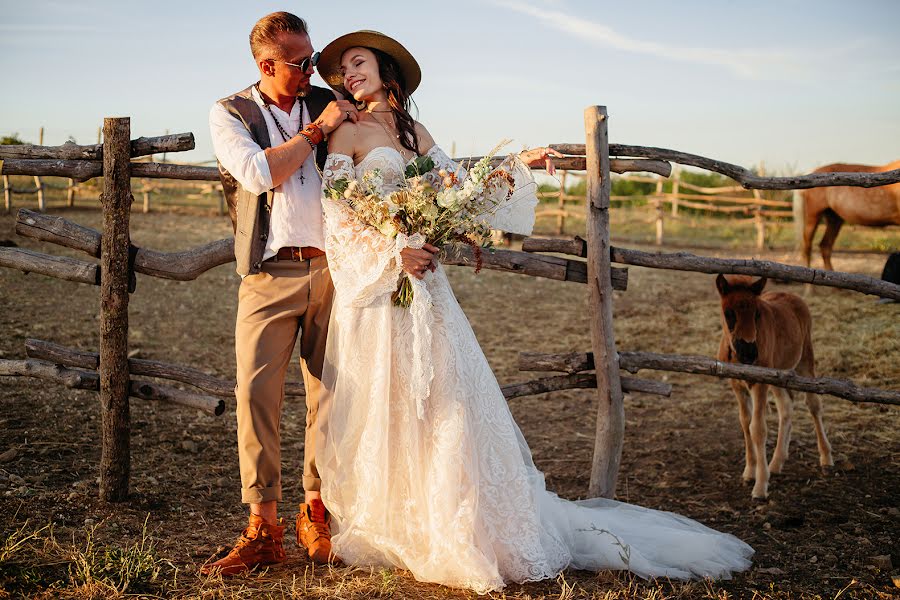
(314, 132)
(308, 139)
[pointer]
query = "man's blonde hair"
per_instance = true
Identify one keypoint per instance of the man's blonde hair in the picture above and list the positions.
(263, 36)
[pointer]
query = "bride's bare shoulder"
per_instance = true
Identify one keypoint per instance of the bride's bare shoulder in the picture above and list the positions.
(425, 139)
(343, 139)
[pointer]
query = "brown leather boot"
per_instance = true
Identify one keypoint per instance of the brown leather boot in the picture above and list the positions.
(260, 544)
(314, 532)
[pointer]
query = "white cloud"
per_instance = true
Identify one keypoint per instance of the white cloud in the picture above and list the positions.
(750, 63)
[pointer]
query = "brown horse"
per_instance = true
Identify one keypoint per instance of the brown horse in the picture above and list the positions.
(768, 330)
(874, 207)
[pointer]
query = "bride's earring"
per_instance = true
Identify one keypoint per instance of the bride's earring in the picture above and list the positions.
(361, 105)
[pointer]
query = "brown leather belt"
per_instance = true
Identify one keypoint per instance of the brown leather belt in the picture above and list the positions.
(295, 253)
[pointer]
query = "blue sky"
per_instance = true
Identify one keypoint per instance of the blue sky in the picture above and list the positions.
(791, 83)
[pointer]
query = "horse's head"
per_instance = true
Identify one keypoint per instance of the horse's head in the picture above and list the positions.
(741, 313)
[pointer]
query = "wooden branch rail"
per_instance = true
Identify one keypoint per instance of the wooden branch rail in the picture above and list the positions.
(550, 267)
(186, 265)
(82, 170)
(582, 381)
(58, 230)
(142, 146)
(731, 189)
(683, 261)
(634, 361)
(71, 378)
(164, 393)
(747, 178)
(729, 199)
(90, 380)
(61, 267)
(578, 163)
(71, 357)
(167, 171)
(778, 214)
(180, 266)
(707, 207)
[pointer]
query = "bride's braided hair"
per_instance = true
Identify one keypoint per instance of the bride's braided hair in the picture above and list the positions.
(398, 100)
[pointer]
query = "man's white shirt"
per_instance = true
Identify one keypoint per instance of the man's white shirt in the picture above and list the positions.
(296, 218)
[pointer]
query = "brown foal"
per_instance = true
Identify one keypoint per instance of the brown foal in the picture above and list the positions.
(768, 330)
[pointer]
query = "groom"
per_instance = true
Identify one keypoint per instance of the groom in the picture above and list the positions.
(269, 140)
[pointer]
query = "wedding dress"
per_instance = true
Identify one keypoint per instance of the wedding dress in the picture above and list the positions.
(422, 464)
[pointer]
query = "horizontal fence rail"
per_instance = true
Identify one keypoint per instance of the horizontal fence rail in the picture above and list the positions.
(683, 261)
(577, 362)
(748, 179)
(71, 357)
(90, 380)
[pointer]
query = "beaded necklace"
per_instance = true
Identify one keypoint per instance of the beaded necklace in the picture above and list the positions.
(284, 135)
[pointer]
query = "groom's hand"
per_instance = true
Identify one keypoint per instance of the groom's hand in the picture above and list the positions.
(336, 113)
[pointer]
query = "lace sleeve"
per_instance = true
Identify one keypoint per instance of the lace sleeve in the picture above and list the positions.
(514, 214)
(364, 263)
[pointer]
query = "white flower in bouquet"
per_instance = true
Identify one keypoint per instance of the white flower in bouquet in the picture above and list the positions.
(374, 181)
(448, 198)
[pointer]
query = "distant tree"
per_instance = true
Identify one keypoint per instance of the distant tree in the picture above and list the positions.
(620, 187)
(11, 140)
(579, 189)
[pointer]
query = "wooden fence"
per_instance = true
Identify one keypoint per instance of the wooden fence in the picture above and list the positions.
(739, 203)
(111, 372)
(209, 188)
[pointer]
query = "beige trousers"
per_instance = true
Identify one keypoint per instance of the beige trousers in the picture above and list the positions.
(286, 299)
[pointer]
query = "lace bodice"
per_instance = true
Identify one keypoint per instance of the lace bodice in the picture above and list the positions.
(386, 159)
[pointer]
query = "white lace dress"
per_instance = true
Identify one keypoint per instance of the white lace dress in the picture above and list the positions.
(422, 464)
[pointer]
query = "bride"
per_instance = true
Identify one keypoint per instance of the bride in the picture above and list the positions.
(422, 464)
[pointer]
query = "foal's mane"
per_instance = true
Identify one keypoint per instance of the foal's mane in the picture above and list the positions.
(736, 282)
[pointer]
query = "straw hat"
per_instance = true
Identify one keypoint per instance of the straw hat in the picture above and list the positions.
(329, 65)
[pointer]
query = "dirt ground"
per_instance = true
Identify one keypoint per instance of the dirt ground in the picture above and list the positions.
(817, 536)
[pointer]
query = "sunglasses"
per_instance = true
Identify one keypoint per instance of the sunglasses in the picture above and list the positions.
(305, 64)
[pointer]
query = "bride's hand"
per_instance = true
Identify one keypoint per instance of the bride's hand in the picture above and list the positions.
(537, 157)
(417, 260)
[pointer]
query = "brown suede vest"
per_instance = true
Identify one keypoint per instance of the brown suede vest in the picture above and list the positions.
(249, 212)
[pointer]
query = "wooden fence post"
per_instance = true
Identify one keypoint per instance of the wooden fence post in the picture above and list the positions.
(7, 193)
(561, 217)
(757, 215)
(657, 202)
(70, 194)
(610, 411)
(675, 186)
(798, 210)
(37, 180)
(39, 186)
(145, 189)
(115, 457)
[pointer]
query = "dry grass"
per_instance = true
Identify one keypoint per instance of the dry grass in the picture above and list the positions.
(681, 454)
